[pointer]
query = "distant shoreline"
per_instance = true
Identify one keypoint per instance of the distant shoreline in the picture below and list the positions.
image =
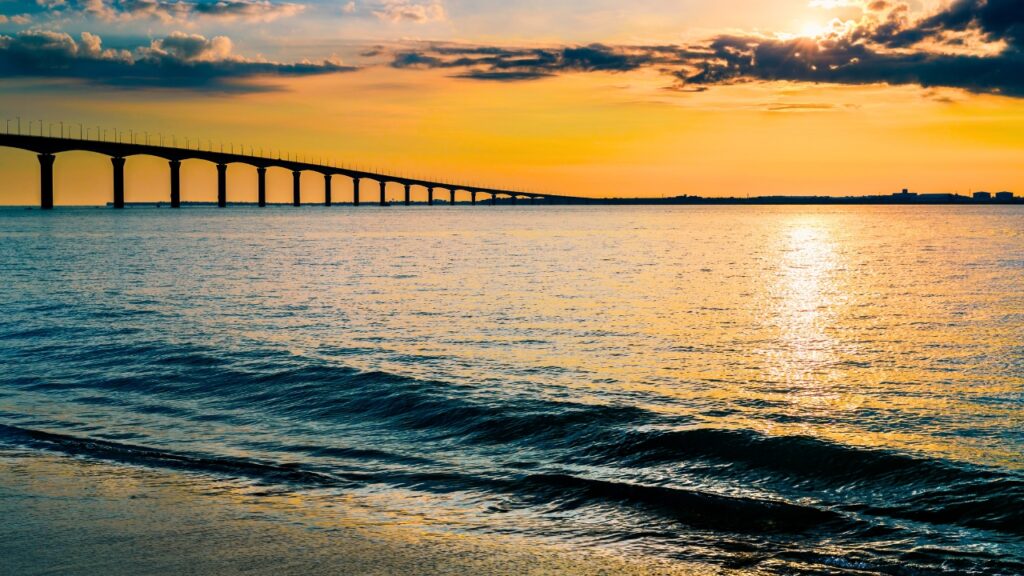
(894, 200)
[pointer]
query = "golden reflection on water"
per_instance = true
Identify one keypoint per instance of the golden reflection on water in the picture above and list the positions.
(893, 327)
(803, 300)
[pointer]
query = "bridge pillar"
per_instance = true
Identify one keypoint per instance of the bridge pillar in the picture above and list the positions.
(296, 188)
(327, 190)
(533, 199)
(472, 198)
(430, 196)
(494, 199)
(222, 185)
(46, 181)
(407, 199)
(175, 183)
(355, 191)
(118, 163)
(261, 179)
(452, 194)
(383, 190)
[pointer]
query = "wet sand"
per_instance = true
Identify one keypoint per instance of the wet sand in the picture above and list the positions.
(69, 516)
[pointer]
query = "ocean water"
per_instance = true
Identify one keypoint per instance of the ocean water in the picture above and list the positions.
(790, 390)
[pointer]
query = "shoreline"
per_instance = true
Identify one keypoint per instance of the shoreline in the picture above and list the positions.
(74, 516)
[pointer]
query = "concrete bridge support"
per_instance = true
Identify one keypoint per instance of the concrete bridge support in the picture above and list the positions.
(327, 190)
(261, 178)
(494, 199)
(408, 200)
(46, 181)
(383, 193)
(472, 198)
(175, 166)
(222, 185)
(296, 188)
(430, 196)
(118, 163)
(452, 194)
(355, 191)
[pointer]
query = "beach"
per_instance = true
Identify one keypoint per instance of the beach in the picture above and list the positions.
(66, 516)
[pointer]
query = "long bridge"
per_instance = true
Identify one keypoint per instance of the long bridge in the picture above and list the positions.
(47, 148)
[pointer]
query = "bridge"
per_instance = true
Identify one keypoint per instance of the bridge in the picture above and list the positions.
(47, 148)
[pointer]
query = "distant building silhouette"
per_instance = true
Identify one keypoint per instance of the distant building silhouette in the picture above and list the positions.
(1004, 195)
(936, 197)
(982, 196)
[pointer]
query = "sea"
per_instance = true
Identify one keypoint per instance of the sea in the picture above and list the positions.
(784, 389)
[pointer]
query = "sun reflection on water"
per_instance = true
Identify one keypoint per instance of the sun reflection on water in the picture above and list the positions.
(804, 298)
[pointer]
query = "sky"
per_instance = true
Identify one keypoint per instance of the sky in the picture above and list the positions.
(597, 98)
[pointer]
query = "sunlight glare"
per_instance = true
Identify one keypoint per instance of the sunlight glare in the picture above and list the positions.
(813, 30)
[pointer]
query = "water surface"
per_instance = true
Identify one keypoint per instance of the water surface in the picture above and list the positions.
(792, 390)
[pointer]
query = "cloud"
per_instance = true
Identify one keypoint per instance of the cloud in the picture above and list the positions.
(20, 19)
(410, 11)
(738, 59)
(496, 63)
(174, 10)
(994, 20)
(181, 47)
(975, 45)
(177, 61)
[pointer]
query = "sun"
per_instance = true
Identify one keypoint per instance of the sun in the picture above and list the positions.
(813, 30)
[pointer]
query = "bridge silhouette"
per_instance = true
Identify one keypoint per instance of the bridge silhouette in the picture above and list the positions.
(47, 148)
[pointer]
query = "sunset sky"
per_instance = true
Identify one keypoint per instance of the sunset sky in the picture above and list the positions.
(595, 98)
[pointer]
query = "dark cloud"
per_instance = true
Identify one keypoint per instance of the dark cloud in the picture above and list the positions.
(179, 61)
(995, 20)
(503, 76)
(173, 10)
(842, 62)
(975, 45)
(496, 63)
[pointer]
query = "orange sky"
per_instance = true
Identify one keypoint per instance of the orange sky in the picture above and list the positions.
(578, 133)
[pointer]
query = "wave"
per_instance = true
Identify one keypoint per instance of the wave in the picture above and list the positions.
(142, 456)
(798, 458)
(694, 507)
(691, 507)
(852, 479)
